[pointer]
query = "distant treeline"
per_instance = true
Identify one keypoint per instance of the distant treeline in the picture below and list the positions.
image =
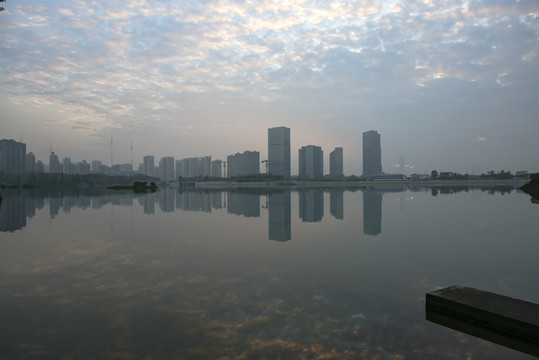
(61, 180)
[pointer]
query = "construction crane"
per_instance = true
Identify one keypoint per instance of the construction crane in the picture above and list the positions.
(265, 162)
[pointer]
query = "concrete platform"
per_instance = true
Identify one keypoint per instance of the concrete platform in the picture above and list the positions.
(500, 319)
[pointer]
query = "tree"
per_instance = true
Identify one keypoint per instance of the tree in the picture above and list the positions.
(434, 174)
(1, 7)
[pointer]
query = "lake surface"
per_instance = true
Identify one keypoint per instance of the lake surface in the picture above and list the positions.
(303, 274)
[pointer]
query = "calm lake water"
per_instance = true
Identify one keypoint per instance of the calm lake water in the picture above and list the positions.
(305, 274)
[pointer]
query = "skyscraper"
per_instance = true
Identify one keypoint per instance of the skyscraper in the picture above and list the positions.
(55, 167)
(311, 162)
(12, 157)
(148, 167)
(279, 151)
(336, 162)
(166, 169)
(372, 153)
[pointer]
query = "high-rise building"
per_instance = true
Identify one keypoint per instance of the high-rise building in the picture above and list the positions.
(166, 169)
(96, 166)
(216, 168)
(55, 167)
(148, 166)
(372, 153)
(246, 163)
(12, 156)
(68, 166)
(311, 162)
(336, 162)
(279, 151)
(30, 162)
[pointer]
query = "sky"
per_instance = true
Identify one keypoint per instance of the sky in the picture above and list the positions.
(450, 85)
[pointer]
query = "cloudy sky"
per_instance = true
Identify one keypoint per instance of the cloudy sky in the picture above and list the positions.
(451, 85)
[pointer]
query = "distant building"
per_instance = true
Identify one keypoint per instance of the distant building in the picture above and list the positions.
(279, 151)
(55, 167)
(12, 156)
(246, 163)
(166, 169)
(40, 167)
(216, 166)
(372, 153)
(148, 166)
(83, 168)
(30, 162)
(194, 167)
(311, 162)
(68, 166)
(336, 162)
(96, 166)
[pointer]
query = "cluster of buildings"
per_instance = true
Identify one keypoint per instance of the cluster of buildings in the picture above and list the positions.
(15, 160)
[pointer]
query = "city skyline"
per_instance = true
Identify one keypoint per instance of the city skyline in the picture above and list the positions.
(450, 84)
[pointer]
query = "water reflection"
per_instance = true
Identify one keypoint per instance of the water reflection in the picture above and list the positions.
(18, 205)
(244, 203)
(336, 203)
(372, 212)
(280, 216)
(201, 285)
(311, 205)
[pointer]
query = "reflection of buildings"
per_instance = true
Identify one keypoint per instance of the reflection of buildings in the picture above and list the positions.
(372, 212)
(372, 153)
(280, 217)
(311, 205)
(336, 203)
(12, 214)
(194, 201)
(148, 203)
(166, 199)
(279, 151)
(244, 204)
(54, 206)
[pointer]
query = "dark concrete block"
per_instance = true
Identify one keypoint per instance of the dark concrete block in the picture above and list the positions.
(497, 318)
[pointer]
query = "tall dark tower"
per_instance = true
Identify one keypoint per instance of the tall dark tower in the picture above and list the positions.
(279, 151)
(372, 153)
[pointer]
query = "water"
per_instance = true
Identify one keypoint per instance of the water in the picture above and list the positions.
(293, 274)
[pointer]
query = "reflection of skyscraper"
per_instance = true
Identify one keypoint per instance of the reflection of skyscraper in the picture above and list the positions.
(12, 214)
(336, 203)
(194, 201)
(279, 151)
(336, 162)
(372, 153)
(372, 212)
(280, 217)
(311, 162)
(148, 202)
(244, 204)
(311, 205)
(167, 199)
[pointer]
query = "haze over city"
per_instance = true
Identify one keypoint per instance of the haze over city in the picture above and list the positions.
(452, 85)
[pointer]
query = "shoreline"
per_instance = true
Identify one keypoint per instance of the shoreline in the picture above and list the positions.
(283, 184)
